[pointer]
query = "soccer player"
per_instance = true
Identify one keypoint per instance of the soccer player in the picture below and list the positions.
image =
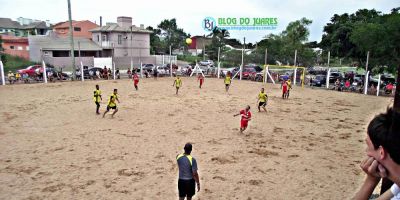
(284, 89)
(177, 83)
(246, 117)
(97, 98)
(201, 79)
(135, 78)
(262, 100)
(227, 81)
(289, 87)
(112, 104)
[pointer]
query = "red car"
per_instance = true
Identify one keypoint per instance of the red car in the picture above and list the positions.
(248, 72)
(30, 70)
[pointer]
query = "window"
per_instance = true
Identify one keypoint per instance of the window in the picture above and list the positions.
(78, 29)
(1, 30)
(104, 37)
(19, 48)
(98, 38)
(11, 47)
(27, 48)
(119, 39)
(46, 53)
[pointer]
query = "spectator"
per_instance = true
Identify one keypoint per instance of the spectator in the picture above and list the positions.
(129, 73)
(383, 157)
(117, 74)
(11, 77)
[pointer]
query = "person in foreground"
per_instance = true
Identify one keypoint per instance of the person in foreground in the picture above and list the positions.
(188, 176)
(246, 117)
(383, 156)
(112, 104)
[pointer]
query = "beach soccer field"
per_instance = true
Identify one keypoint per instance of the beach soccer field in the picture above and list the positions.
(54, 146)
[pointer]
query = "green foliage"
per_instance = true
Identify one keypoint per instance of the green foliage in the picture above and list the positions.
(14, 63)
(352, 36)
(2, 56)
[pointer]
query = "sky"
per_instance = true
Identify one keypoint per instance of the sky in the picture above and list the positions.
(190, 13)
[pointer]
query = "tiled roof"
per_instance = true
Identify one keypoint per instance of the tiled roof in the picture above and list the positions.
(113, 27)
(8, 23)
(56, 43)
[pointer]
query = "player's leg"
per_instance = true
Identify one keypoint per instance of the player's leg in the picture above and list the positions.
(115, 111)
(108, 109)
(97, 108)
(265, 104)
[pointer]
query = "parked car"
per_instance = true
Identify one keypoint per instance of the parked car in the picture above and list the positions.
(30, 70)
(319, 80)
(248, 72)
(88, 73)
(52, 73)
(334, 76)
(206, 62)
(148, 67)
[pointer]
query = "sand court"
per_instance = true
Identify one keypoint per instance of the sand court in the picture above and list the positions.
(54, 146)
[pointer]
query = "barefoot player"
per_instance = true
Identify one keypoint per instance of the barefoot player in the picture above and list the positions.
(246, 117)
(112, 104)
(227, 81)
(97, 98)
(177, 83)
(262, 100)
(201, 79)
(135, 78)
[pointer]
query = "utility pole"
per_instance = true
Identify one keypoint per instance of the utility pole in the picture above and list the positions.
(71, 39)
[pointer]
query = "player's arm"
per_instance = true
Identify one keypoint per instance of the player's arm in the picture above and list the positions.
(173, 83)
(197, 179)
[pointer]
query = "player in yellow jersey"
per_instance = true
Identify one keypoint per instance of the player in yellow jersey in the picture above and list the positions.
(97, 98)
(177, 83)
(227, 81)
(112, 103)
(262, 100)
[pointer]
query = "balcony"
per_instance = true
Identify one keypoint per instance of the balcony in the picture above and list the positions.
(107, 44)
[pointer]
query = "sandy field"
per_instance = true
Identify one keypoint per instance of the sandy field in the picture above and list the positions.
(54, 146)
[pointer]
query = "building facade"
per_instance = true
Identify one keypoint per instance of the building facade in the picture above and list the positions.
(81, 29)
(123, 38)
(15, 46)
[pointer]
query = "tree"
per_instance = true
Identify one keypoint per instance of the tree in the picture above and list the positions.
(281, 47)
(219, 37)
(2, 55)
(171, 35)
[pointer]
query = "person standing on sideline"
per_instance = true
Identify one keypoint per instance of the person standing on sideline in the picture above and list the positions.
(112, 104)
(135, 78)
(188, 176)
(177, 83)
(201, 79)
(97, 98)
(262, 100)
(246, 117)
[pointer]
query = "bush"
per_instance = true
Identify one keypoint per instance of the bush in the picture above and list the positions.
(14, 63)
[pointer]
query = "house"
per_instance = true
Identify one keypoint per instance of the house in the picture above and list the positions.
(81, 29)
(198, 44)
(55, 50)
(123, 38)
(16, 46)
(10, 27)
